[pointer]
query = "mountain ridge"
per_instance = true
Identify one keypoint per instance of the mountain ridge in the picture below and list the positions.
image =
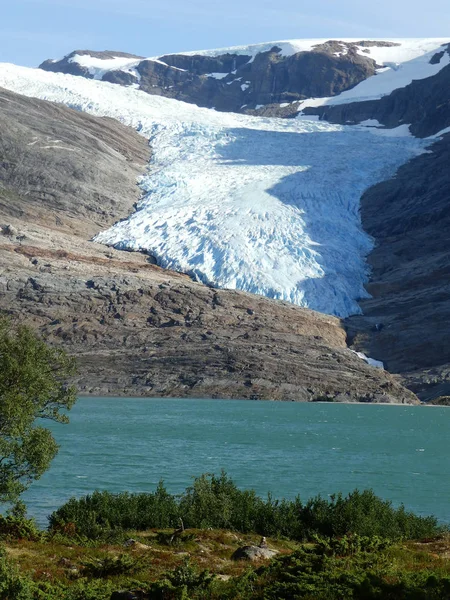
(246, 78)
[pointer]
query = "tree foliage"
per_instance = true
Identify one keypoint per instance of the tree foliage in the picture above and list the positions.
(32, 386)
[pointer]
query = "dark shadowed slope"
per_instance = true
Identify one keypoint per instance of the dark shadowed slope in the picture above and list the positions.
(409, 216)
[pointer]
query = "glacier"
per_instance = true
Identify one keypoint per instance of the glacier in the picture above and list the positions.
(264, 205)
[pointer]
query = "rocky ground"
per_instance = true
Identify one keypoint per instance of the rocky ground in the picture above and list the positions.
(135, 328)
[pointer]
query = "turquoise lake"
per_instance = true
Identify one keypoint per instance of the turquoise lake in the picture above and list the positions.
(402, 452)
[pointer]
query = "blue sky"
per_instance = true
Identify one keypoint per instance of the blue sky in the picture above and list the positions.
(33, 30)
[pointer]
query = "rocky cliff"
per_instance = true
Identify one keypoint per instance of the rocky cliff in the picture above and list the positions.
(137, 329)
(405, 323)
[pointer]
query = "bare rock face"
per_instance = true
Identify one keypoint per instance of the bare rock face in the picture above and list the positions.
(137, 329)
(243, 84)
(405, 323)
(66, 170)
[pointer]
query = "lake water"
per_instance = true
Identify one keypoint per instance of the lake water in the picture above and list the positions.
(402, 452)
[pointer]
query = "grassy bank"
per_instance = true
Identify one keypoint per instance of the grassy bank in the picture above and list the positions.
(157, 546)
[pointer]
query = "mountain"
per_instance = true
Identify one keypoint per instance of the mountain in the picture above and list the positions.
(271, 78)
(137, 329)
(272, 206)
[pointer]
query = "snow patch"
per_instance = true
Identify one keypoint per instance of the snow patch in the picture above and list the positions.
(406, 50)
(218, 75)
(439, 134)
(400, 131)
(98, 67)
(371, 123)
(370, 361)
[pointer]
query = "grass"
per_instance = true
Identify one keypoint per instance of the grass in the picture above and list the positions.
(212, 550)
(66, 566)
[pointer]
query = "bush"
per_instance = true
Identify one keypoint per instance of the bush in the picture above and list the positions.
(111, 565)
(13, 585)
(354, 567)
(216, 502)
(365, 514)
(99, 512)
(179, 583)
(18, 528)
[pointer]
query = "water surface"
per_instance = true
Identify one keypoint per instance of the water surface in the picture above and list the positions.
(402, 452)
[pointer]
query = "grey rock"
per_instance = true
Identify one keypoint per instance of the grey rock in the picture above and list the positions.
(9, 230)
(253, 553)
(60, 167)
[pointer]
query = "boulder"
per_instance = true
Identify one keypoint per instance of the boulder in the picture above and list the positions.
(253, 553)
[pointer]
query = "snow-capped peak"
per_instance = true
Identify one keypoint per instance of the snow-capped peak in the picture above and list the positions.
(399, 51)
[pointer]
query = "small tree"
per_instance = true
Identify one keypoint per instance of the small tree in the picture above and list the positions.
(32, 386)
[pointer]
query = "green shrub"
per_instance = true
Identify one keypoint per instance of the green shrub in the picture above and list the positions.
(95, 589)
(216, 502)
(350, 545)
(13, 585)
(170, 539)
(365, 514)
(19, 528)
(111, 565)
(357, 568)
(180, 583)
(102, 511)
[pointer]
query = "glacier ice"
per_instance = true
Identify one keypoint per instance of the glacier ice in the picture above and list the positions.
(264, 205)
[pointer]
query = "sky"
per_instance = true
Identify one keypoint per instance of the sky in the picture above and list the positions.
(34, 30)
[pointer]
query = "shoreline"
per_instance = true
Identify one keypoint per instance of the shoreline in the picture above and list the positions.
(126, 397)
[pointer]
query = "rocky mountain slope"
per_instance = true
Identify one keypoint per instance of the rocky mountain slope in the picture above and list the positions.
(135, 328)
(406, 320)
(410, 283)
(424, 104)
